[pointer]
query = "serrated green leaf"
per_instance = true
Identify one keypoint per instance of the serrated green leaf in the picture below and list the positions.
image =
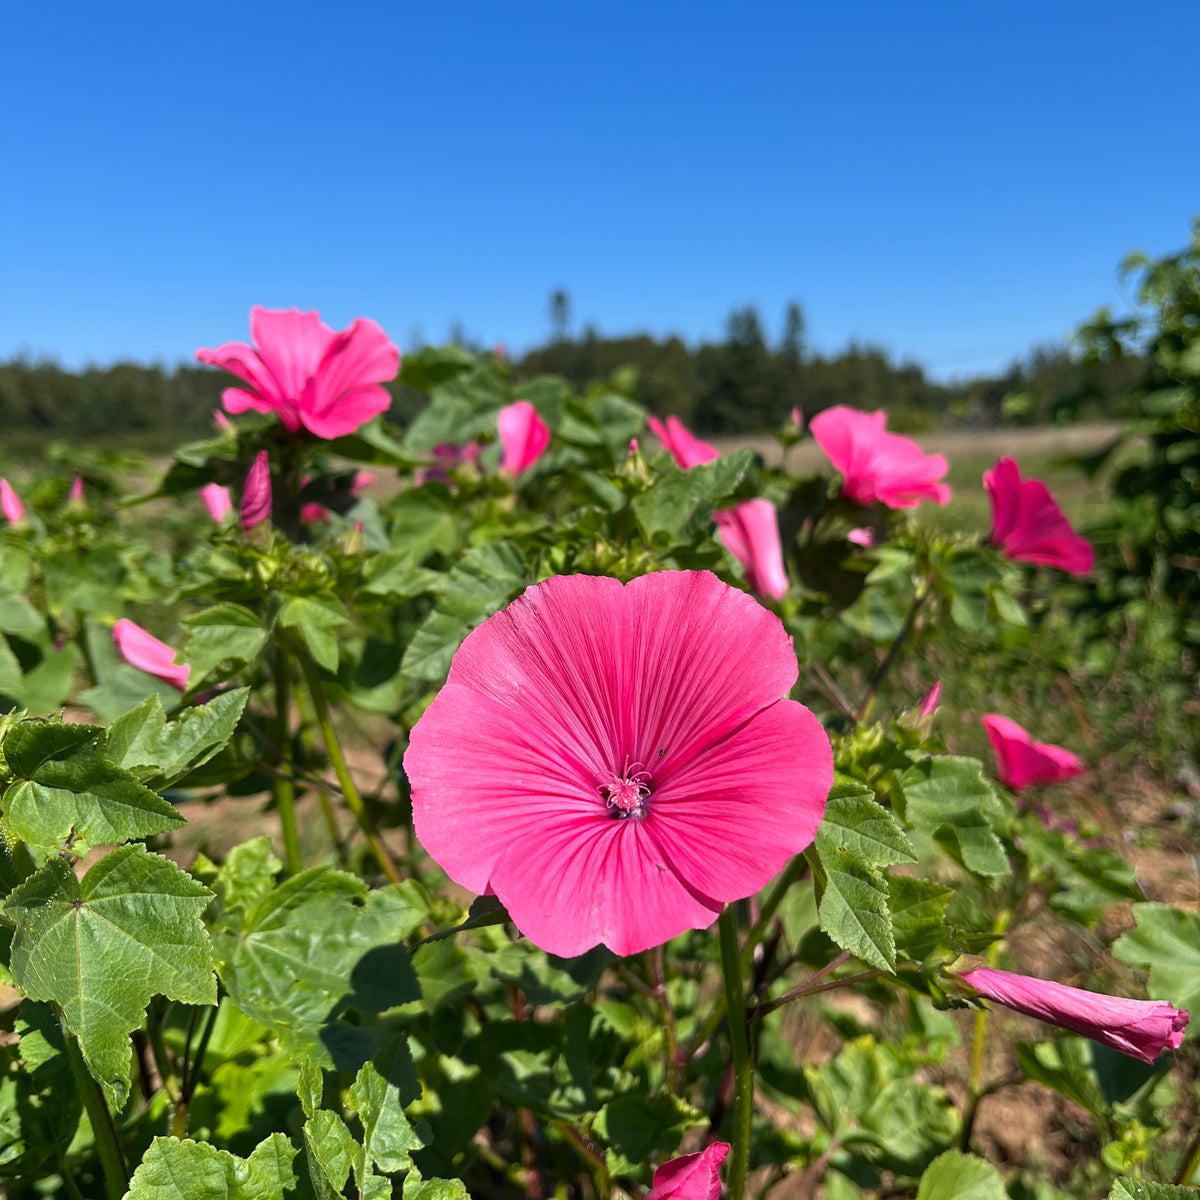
(65, 791)
(416, 1188)
(330, 1151)
(395, 574)
(1144, 1189)
(682, 502)
(972, 843)
(315, 616)
(224, 634)
(185, 1170)
(387, 1136)
(956, 1176)
(637, 1127)
(854, 911)
(315, 945)
(855, 826)
(1167, 941)
(162, 751)
(429, 653)
(100, 948)
(918, 909)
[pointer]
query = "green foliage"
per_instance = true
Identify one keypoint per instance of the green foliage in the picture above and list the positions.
(955, 1176)
(187, 1170)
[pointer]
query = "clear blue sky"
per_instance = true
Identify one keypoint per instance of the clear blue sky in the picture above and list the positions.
(953, 181)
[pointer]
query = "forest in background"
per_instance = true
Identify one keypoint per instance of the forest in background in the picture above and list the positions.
(746, 383)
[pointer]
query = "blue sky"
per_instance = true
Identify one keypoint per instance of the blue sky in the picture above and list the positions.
(951, 181)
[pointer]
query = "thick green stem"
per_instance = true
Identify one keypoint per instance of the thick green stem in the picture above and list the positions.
(743, 1065)
(69, 1184)
(104, 1132)
(349, 790)
(285, 784)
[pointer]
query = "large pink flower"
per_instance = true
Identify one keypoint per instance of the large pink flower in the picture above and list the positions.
(877, 465)
(749, 531)
(691, 1176)
(524, 437)
(1141, 1028)
(1020, 761)
(325, 382)
(1028, 525)
(144, 651)
(616, 763)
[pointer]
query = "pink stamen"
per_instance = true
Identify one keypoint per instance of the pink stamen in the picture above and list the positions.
(628, 790)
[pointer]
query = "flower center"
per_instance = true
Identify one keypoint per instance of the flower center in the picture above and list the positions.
(627, 791)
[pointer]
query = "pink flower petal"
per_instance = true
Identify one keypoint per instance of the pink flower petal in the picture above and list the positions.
(1020, 761)
(524, 437)
(685, 448)
(144, 651)
(76, 495)
(1142, 1029)
(1028, 525)
(10, 503)
(290, 344)
(692, 1176)
(750, 532)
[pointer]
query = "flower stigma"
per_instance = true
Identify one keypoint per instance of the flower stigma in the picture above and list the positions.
(627, 791)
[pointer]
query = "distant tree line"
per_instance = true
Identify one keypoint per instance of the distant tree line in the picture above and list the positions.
(745, 383)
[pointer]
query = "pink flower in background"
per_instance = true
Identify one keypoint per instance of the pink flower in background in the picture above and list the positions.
(10, 504)
(617, 762)
(325, 382)
(749, 531)
(1140, 1028)
(930, 702)
(256, 494)
(691, 1177)
(1020, 761)
(75, 495)
(447, 457)
(217, 500)
(684, 447)
(863, 536)
(524, 437)
(222, 422)
(877, 465)
(1028, 525)
(144, 651)
(797, 419)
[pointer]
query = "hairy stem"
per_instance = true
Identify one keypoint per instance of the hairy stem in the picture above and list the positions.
(285, 784)
(743, 1065)
(349, 789)
(112, 1161)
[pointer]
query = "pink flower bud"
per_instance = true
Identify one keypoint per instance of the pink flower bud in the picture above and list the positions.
(1140, 1028)
(217, 500)
(797, 418)
(1020, 761)
(524, 437)
(256, 495)
(691, 1176)
(863, 536)
(222, 422)
(634, 448)
(10, 504)
(930, 702)
(75, 495)
(144, 651)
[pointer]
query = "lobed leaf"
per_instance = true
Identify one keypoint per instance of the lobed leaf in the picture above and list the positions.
(957, 1176)
(185, 1170)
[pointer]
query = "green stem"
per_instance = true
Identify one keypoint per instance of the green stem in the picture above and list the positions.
(69, 1184)
(1192, 1165)
(910, 619)
(104, 1132)
(975, 1088)
(154, 1030)
(770, 906)
(349, 790)
(179, 1118)
(743, 1065)
(285, 784)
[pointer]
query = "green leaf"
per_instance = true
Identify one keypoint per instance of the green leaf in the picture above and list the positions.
(65, 791)
(387, 1135)
(187, 1170)
(1144, 1189)
(955, 1176)
(911, 1122)
(855, 826)
(854, 911)
(637, 1127)
(680, 503)
(1167, 941)
(162, 751)
(395, 574)
(100, 948)
(316, 616)
(314, 946)
(918, 909)
(1065, 1066)
(226, 634)
(416, 1188)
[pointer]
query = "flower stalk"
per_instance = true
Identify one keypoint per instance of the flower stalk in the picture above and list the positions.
(285, 784)
(743, 1064)
(112, 1161)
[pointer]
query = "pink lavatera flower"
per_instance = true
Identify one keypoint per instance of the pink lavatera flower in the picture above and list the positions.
(10, 504)
(217, 500)
(691, 1176)
(314, 378)
(1020, 761)
(877, 465)
(1028, 525)
(144, 651)
(1140, 1028)
(749, 531)
(256, 494)
(524, 437)
(617, 762)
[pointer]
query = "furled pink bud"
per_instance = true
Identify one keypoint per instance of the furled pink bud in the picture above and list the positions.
(524, 437)
(10, 504)
(75, 495)
(634, 448)
(863, 536)
(1140, 1028)
(222, 422)
(144, 651)
(691, 1177)
(797, 418)
(217, 500)
(930, 703)
(1020, 761)
(256, 495)
(1028, 525)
